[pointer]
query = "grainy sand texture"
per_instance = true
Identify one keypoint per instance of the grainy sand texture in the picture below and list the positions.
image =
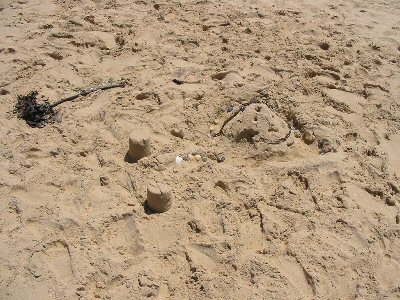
(285, 116)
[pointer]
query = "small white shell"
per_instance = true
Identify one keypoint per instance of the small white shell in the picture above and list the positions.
(178, 160)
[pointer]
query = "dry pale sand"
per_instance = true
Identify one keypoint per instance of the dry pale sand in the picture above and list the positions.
(297, 198)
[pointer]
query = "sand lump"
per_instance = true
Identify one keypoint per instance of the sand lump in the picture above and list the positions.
(257, 123)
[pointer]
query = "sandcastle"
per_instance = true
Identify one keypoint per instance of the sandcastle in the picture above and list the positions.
(139, 145)
(159, 197)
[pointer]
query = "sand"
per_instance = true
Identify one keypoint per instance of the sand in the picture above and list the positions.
(293, 107)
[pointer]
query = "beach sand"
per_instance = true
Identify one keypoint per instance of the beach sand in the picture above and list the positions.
(287, 115)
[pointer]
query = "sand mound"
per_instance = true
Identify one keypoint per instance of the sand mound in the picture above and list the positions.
(257, 123)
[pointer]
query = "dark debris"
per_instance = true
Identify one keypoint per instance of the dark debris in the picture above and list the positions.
(35, 114)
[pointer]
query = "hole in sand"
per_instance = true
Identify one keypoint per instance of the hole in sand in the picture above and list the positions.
(311, 74)
(324, 46)
(223, 185)
(143, 96)
(220, 75)
(149, 96)
(177, 81)
(56, 56)
(247, 134)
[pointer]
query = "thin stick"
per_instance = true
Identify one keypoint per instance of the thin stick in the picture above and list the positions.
(87, 92)
(241, 109)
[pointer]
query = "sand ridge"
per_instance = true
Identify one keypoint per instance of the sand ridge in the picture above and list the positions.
(296, 198)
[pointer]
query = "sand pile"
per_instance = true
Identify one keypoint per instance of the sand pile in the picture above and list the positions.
(286, 117)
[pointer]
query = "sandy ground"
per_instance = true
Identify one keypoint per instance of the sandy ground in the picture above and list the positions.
(296, 198)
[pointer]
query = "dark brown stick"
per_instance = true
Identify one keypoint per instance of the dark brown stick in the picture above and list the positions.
(241, 108)
(87, 92)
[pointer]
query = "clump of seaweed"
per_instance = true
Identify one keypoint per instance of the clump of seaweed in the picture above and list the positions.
(35, 114)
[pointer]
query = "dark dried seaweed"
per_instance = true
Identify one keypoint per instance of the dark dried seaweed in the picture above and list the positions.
(35, 114)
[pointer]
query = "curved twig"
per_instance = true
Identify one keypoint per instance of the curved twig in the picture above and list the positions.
(87, 92)
(241, 108)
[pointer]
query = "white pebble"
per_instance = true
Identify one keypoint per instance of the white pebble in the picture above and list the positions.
(178, 160)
